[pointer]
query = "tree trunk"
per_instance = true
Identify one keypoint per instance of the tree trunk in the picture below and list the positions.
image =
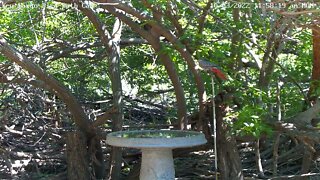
(229, 163)
(173, 75)
(235, 55)
(115, 76)
(274, 46)
(112, 45)
(307, 158)
(77, 156)
(315, 78)
(314, 85)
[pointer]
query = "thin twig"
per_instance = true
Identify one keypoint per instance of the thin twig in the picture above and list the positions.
(40, 139)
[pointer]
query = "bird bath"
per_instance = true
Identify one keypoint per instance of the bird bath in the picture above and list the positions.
(156, 147)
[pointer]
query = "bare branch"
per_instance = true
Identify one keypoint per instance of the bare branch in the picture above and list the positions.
(304, 118)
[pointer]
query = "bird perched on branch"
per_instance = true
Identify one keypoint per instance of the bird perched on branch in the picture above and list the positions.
(211, 68)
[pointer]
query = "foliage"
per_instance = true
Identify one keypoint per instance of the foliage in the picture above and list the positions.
(250, 121)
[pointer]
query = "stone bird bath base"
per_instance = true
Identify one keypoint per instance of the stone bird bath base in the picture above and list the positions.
(156, 147)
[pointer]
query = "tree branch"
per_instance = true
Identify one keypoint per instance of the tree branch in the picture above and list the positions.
(304, 118)
(203, 16)
(79, 117)
(102, 119)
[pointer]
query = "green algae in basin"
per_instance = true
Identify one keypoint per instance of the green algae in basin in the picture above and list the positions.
(156, 134)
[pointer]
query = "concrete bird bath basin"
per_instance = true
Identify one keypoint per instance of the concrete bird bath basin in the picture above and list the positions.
(156, 147)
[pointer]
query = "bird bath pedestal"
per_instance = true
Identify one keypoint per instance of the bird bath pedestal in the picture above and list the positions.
(156, 147)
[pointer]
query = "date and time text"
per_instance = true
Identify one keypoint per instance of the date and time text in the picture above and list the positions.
(267, 5)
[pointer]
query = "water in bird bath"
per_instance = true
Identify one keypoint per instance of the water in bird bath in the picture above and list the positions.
(155, 134)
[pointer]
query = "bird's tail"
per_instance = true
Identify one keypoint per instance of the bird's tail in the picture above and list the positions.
(219, 74)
